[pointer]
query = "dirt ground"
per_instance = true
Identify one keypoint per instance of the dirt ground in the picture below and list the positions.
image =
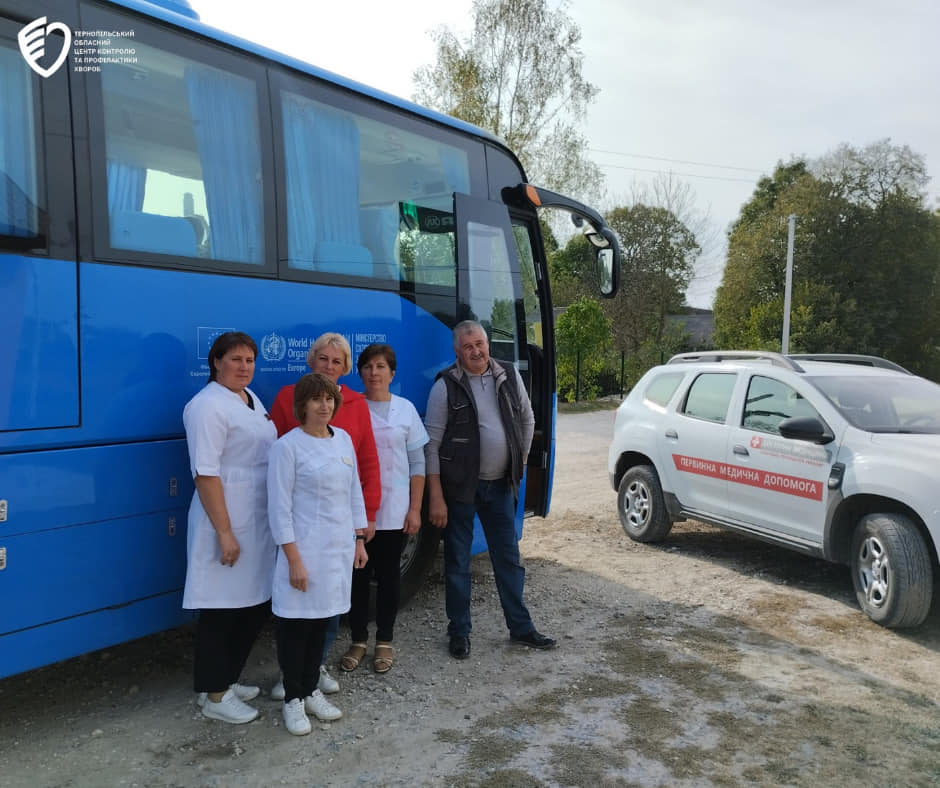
(707, 660)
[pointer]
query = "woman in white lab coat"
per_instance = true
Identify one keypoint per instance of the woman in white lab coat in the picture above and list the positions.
(315, 507)
(399, 438)
(229, 550)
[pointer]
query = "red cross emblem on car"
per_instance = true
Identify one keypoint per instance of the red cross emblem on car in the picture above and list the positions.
(756, 442)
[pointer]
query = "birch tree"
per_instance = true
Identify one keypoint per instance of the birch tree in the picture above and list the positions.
(519, 75)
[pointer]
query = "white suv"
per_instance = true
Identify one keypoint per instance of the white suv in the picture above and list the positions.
(838, 458)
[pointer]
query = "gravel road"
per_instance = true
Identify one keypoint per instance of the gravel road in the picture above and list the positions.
(707, 660)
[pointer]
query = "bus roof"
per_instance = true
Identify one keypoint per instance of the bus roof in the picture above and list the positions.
(180, 14)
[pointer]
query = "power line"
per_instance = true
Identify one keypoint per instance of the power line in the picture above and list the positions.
(675, 161)
(673, 172)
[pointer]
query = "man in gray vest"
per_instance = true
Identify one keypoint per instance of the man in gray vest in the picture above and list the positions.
(480, 424)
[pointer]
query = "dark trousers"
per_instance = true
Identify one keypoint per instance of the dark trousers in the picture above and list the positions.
(299, 648)
(224, 637)
(496, 507)
(385, 565)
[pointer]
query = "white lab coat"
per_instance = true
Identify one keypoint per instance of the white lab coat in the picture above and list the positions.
(401, 432)
(228, 439)
(315, 500)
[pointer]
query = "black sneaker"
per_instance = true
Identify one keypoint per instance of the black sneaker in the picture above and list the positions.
(534, 639)
(459, 646)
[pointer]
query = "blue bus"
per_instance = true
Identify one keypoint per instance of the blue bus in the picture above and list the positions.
(162, 182)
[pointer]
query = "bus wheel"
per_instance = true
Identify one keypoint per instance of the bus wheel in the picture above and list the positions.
(417, 555)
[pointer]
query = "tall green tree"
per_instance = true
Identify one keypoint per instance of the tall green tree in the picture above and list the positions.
(659, 253)
(519, 75)
(573, 271)
(866, 260)
(582, 333)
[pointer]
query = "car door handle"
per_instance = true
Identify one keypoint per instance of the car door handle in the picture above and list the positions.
(742, 450)
(672, 434)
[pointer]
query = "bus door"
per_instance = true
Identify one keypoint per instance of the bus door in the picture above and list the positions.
(491, 288)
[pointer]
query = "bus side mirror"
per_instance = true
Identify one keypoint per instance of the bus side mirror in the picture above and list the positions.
(605, 271)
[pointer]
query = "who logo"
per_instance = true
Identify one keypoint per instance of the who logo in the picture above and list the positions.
(32, 40)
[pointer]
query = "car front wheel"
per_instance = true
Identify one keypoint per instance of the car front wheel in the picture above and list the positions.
(891, 570)
(641, 506)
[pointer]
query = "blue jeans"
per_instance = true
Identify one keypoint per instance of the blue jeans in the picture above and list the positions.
(329, 638)
(496, 508)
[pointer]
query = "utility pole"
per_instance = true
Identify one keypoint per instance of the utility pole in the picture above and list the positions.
(788, 287)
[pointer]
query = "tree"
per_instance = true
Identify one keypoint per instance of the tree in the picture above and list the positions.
(866, 263)
(582, 334)
(573, 271)
(667, 191)
(659, 252)
(768, 191)
(871, 175)
(519, 75)
(755, 266)
(658, 262)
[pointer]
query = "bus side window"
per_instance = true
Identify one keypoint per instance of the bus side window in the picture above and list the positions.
(183, 159)
(322, 169)
(367, 192)
(380, 235)
(20, 177)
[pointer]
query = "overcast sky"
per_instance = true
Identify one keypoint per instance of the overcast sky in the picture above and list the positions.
(715, 92)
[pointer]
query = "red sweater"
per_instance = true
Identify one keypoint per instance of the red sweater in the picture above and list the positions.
(354, 417)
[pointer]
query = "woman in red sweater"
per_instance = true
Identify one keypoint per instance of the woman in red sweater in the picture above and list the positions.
(330, 354)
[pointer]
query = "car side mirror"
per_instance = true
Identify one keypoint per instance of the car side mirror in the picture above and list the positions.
(806, 429)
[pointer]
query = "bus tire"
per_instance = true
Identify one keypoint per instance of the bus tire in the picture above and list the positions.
(417, 557)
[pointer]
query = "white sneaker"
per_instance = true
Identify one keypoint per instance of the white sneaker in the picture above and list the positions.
(242, 692)
(327, 684)
(277, 691)
(319, 706)
(295, 718)
(229, 709)
(246, 691)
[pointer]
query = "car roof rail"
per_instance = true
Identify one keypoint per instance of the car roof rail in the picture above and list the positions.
(777, 359)
(852, 358)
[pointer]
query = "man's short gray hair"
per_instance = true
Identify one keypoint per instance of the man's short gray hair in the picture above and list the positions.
(467, 327)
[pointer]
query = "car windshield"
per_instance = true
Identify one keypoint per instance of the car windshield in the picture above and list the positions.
(904, 404)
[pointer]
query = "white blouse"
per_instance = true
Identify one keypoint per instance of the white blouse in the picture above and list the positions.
(228, 439)
(315, 500)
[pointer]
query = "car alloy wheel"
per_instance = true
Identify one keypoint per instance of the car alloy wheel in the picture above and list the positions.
(874, 571)
(640, 502)
(636, 504)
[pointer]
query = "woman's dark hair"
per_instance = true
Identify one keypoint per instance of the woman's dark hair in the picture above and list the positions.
(369, 352)
(224, 343)
(313, 385)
